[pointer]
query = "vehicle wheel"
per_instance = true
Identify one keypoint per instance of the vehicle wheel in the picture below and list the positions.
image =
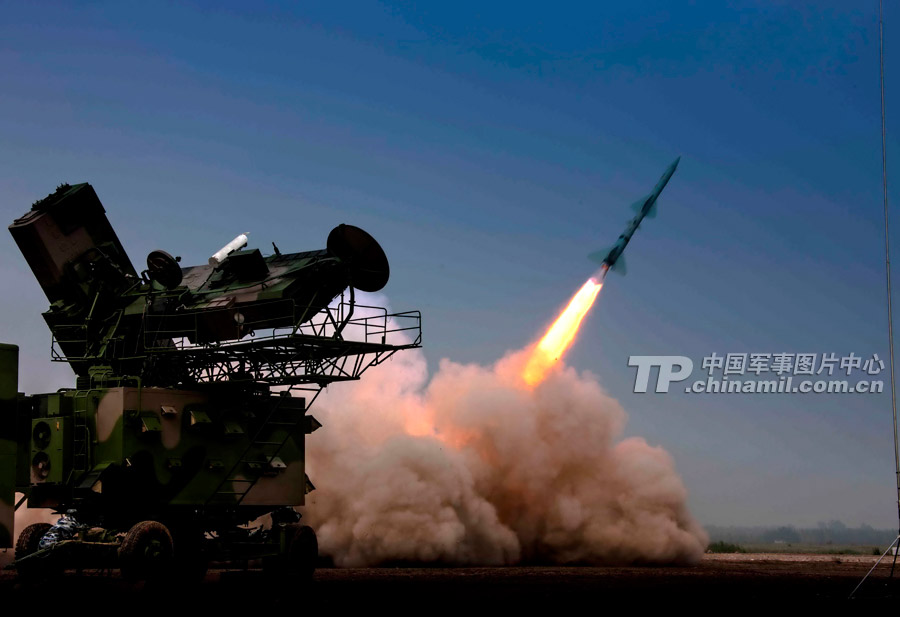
(146, 552)
(28, 543)
(30, 539)
(301, 554)
(191, 561)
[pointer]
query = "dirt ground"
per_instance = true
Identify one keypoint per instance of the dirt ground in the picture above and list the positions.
(718, 581)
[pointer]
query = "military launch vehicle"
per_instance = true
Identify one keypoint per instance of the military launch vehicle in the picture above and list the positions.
(188, 415)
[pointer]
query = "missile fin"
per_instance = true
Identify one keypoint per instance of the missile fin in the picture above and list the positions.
(619, 266)
(637, 206)
(599, 256)
(651, 213)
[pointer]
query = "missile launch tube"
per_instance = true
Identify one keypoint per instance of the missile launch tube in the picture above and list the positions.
(220, 255)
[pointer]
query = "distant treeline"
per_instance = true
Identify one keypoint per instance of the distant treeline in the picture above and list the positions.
(833, 532)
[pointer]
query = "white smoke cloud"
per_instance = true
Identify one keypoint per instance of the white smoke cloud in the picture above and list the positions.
(475, 468)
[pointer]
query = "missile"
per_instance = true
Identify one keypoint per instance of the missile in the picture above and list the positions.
(612, 258)
(238, 243)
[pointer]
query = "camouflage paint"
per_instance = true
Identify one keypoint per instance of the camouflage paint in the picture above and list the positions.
(9, 384)
(176, 445)
(154, 428)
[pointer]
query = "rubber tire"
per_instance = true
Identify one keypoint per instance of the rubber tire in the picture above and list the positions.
(190, 562)
(146, 552)
(30, 538)
(299, 560)
(27, 544)
(304, 552)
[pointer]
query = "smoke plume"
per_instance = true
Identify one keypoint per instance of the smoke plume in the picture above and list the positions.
(475, 467)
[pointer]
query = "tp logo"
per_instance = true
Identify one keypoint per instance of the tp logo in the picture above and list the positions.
(667, 374)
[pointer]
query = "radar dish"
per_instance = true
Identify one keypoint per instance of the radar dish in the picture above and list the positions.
(164, 269)
(366, 261)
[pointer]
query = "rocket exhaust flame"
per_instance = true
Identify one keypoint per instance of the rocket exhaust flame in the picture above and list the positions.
(558, 338)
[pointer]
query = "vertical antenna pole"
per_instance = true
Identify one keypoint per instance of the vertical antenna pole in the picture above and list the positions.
(887, 256)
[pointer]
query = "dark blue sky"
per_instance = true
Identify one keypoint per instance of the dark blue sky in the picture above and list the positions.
(490, 147)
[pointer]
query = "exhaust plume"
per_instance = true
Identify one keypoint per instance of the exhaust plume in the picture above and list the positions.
(559, 336)
(479, 467)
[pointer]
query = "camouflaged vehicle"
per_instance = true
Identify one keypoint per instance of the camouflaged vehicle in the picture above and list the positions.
(189, 412)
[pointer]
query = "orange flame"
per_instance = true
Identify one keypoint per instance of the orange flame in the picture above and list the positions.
(560, 335)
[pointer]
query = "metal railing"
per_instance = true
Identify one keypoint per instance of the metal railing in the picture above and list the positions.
(212, 329)
(281, 343)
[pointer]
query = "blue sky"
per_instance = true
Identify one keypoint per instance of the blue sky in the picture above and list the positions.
(490, 147)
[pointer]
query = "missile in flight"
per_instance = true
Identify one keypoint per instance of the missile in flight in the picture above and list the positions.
(612, 258)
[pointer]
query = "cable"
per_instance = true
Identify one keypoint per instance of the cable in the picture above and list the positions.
(887, 262)
(887, 257)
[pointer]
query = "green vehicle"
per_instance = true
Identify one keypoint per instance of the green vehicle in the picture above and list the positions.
(189, 412)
